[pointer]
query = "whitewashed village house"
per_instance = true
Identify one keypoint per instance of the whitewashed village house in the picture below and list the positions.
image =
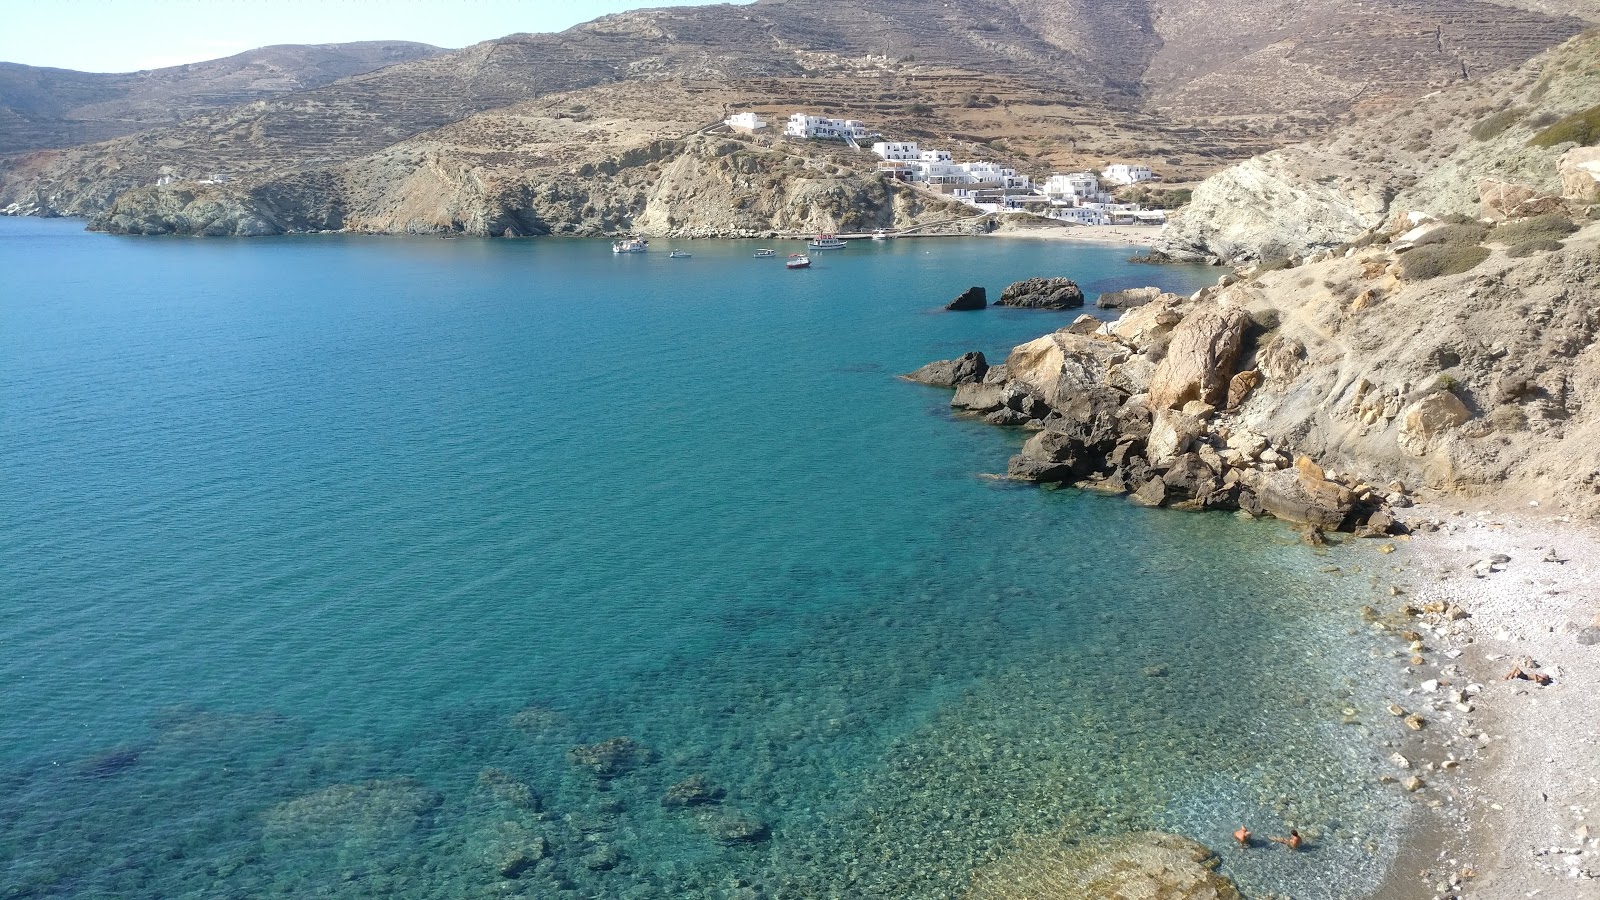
(1124, 173)
(747, 122)
(808, 127)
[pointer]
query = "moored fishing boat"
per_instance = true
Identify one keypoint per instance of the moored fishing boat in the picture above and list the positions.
(763, 253)
(827, 242)
(630, 245)
(678, 254)
(797, 261)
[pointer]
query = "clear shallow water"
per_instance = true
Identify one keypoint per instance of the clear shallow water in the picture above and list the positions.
(319, 555)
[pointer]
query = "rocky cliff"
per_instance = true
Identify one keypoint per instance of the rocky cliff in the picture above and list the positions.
(1451, 153)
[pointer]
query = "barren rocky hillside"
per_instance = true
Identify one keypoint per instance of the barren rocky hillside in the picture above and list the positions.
(1041, 85)
(41, 108)
(1442, 155)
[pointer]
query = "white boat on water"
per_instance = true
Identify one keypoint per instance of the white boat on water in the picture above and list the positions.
(881, 235)
(630, 245)
(827, 242)
(797, 261)
(763, 253)
(678, 254)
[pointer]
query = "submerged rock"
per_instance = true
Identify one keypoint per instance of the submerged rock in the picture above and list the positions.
(696, 790)
(1146, 865)
(343, 812)
(611, 757)
(732, 826)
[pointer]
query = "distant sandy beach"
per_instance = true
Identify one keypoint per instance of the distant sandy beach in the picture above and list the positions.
(1129, 235)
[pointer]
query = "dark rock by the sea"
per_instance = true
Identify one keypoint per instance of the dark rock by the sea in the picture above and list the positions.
(971, 299)
(968, 368)
(1042, 293)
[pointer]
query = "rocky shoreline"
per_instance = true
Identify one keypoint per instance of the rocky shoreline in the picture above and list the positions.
(1494, 617)
(1146, 406)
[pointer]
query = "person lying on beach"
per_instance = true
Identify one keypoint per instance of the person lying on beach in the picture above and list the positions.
(1293, 841)
(1243, 837)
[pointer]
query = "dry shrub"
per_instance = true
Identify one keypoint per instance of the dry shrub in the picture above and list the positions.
(1518, 251)
(1548, 227)
(1435, 260)
(1473, 233)
(1581, 128)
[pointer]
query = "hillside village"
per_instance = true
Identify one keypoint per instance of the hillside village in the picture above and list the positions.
(1080, 198)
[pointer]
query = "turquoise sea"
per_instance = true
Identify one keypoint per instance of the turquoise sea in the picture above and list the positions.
(319, 556)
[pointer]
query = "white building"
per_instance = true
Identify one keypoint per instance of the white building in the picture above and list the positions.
(745, 121)
(995, 174)
(1074, 187)
(897, 150)
(825, 129)
(1124, 173)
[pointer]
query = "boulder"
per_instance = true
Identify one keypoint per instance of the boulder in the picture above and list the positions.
(1281, 360)
(1084, 324)
(1068, 372)
(1200, 358)
(1502, 200)
(968, 368)
(1127, 299)
(1049, 456)
(1302, 495)
(1042, 293)
(973, 298)
(1429, 418)
(1579, 169)
(1240, 387)
(1171, 435)
(1141, 866)
(980, 398)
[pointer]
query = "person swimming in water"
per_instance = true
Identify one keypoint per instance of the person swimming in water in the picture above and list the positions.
(1293, 841)
(1243, 837)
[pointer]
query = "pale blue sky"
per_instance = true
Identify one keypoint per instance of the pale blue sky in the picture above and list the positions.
(127, 35)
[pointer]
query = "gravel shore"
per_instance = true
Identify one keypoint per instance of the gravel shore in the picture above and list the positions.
(1501, 602)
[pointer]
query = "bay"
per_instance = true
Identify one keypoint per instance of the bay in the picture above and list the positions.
(324, 557)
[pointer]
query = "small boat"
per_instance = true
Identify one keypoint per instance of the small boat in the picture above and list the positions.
(797, 261)
(677, 254)
(630, 245)
(763, 253)
(881, 235)
(826, 242)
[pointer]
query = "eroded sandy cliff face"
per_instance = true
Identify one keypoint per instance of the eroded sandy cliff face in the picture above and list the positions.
(1432, 157)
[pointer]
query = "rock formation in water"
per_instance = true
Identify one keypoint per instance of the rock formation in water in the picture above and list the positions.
(1146, 865)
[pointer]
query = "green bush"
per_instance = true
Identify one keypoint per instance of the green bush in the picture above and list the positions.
(1548, 227)
(1496, 124)
(920, 110)
(1581, 128)
(1276, 264)
(1447, 383)
(1531, 247)
(1454, 234)
(1422, 263)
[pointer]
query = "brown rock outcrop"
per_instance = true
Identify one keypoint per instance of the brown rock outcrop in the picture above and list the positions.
(1200, 358)
(1503, 200)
